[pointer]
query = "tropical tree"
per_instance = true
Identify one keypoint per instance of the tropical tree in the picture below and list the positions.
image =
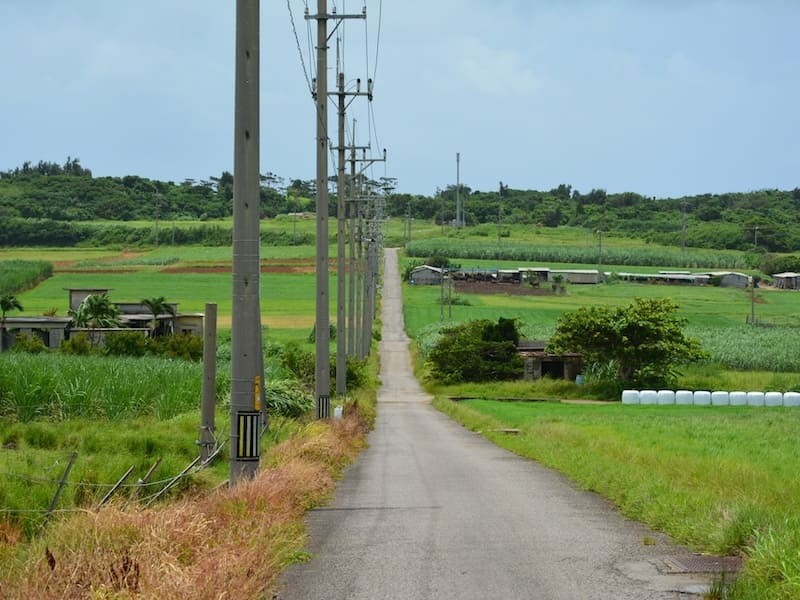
(7, 304)
(96, 311)
(159, 306)
(642, 343)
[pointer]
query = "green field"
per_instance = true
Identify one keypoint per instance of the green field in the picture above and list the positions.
(740, 462)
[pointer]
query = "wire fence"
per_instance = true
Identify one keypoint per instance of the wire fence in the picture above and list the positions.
(141, 492)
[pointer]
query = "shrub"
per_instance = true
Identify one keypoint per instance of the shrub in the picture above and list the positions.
(28, 343)
(184, 345)
(77, 344)
(125, 343)
(357, 375)
(299, 362)
(477, 351)
(287, 399)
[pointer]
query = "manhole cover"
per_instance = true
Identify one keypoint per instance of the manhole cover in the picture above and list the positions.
(703, 564)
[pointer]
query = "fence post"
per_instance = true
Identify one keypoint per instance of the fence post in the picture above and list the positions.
(61, 485)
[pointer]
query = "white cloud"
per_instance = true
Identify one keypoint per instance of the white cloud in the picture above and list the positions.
(496, 72)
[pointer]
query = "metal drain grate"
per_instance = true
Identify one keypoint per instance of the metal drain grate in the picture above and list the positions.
(703, 564)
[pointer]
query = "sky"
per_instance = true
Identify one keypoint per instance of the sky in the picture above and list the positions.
(660, 97)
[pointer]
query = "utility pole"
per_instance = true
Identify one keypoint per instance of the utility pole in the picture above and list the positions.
(683, 226)
(322, 379)
(600, 249)
(408, 222)
(459, 208)
(341, 324)
(209, 388)
(246, 347)
(341, 357)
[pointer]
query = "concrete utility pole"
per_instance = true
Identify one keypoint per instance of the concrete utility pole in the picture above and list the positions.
(322, 379)
(322, 382)
(247, 361)
(600, 249)
(209, 389)
(459, 208)
(683, 226)
(341, 324)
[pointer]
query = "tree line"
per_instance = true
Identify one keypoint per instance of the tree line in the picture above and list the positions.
(761, 220)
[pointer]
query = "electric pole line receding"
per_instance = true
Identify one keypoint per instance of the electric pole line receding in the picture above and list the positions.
(247, 361)
(322, 383)
(341, 323)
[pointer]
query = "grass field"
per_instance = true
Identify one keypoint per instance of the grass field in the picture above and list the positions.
(721, 481)
(742, 455)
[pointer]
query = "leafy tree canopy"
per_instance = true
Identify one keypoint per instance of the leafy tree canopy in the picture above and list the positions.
(644, 342)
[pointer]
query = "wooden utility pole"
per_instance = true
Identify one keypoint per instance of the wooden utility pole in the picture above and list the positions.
(247, 374)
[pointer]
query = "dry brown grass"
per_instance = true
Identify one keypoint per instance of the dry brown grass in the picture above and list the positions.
(229, 543)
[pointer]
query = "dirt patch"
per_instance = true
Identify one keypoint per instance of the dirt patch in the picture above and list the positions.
(285, 265)
(92, 270)
(511, 289)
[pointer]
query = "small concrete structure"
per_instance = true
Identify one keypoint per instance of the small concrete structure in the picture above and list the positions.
(426, 275)
(78, 295)
(51, 330)
(539, 363)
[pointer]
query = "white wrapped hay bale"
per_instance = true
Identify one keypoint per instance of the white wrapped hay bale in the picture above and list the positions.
(720, 398)
(791, 399)
(648, 397)
(702, 398)
(630, 396)
(684, 397)
(738, 398)
(773, 399)
(666, 396)
(755, 398)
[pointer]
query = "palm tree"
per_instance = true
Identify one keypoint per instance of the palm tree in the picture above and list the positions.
(7, 303)
(96, 311)
(159, 306)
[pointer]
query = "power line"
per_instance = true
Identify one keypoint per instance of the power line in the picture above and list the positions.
(299, 50)
(378, 40)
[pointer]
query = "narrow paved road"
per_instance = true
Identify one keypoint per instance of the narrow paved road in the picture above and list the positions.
(433, 511)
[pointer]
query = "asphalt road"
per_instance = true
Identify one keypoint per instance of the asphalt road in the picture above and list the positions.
(433, 511)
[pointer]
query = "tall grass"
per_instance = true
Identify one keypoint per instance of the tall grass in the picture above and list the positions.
(238, 538)
(531, 252)
(18, 275)
(59, 387)
(751, 348)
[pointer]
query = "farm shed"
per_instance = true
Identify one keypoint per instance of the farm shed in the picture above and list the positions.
(535, 274)
(426, 275)
(539, 363)
(509, 276)
(668, 277)
(578, 275)
(731, 278)
(787, 281)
